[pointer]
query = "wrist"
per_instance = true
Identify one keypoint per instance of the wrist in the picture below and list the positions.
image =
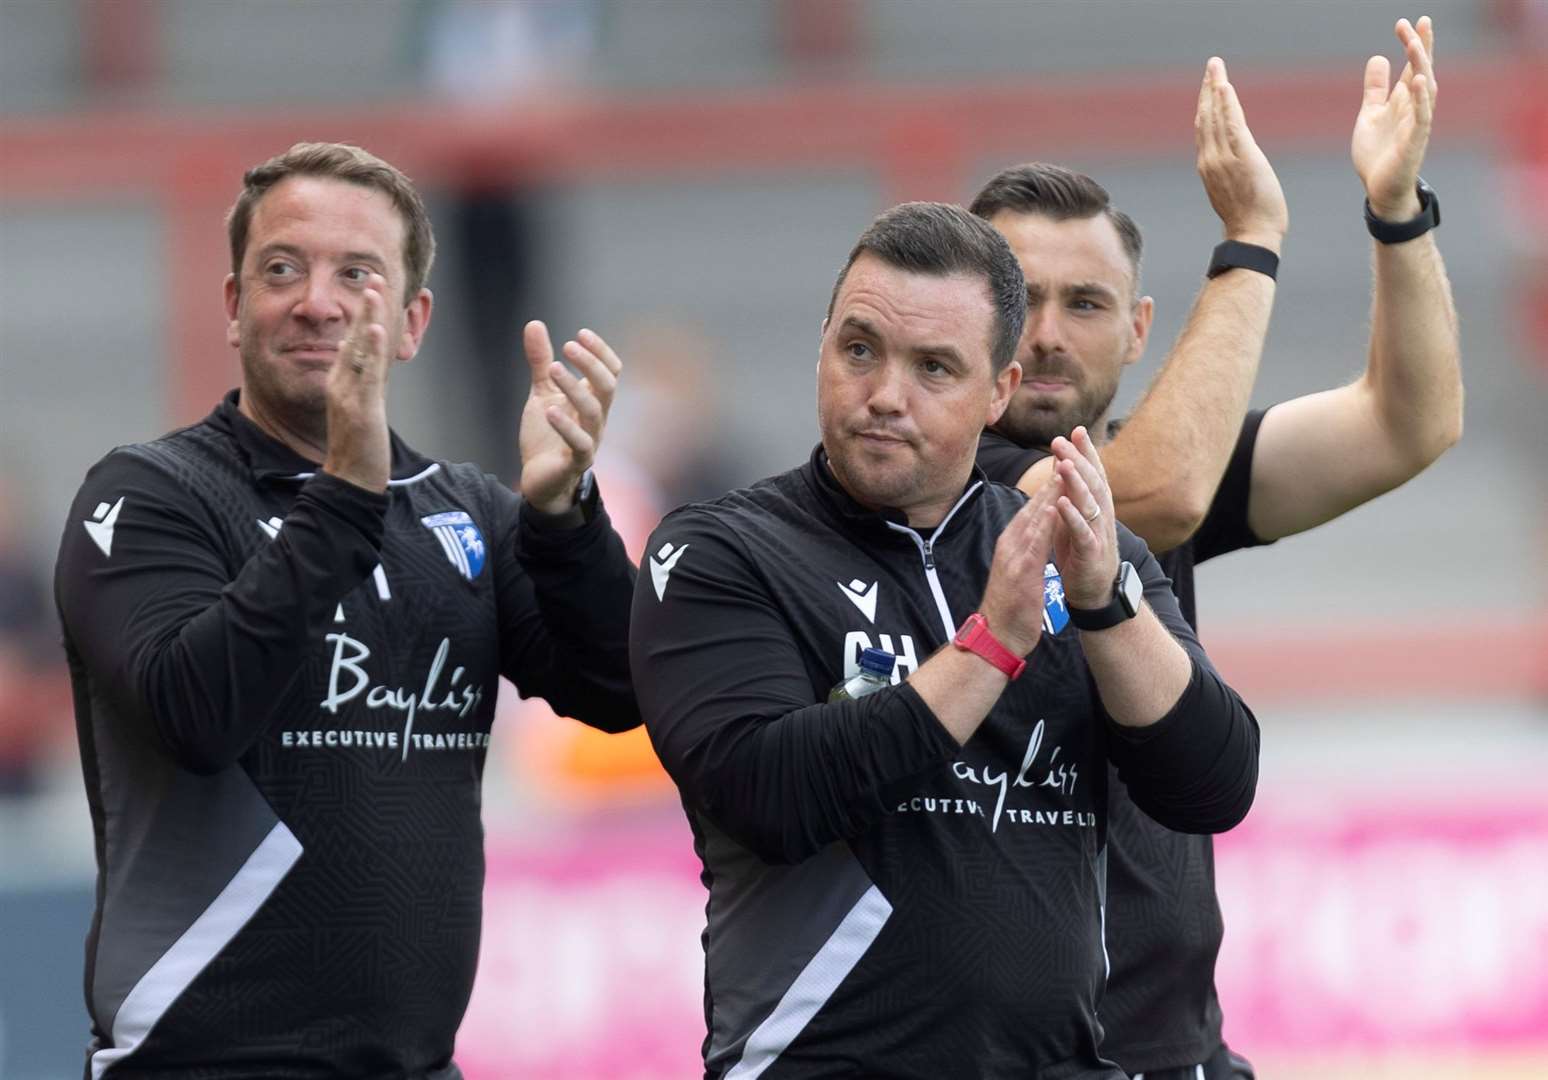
(375, 484)
(1400, 219)
(1118, 603)
(976, 636)
(566, 513)
(1272, 239)
(1398, 208)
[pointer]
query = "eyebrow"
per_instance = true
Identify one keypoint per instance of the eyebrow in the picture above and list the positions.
(1078, 288)
(854, 322)
(349, 256)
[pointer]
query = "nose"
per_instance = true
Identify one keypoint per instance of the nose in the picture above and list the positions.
(889, 390)
(1045, 329)
(319, 302)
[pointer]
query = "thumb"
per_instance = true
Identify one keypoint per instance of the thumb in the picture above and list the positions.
(1377, 73)
(540, 352)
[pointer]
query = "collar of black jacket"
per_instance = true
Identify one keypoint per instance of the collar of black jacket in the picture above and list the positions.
(820, 475)
(270, 459)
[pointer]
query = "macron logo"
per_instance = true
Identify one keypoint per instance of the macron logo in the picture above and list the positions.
(661, 565)
(863, 596)
(271, 527)
(100, 527)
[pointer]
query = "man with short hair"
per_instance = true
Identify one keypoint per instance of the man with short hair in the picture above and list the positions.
(909, 883)
(285, 630)
(1197, 475)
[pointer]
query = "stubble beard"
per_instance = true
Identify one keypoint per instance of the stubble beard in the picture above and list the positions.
(298, 406)
(1031, 422)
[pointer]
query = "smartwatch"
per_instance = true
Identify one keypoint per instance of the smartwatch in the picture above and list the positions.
(1396, 232)
(1128, 595)
(974, 636)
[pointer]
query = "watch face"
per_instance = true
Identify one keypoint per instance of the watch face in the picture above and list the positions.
(1131, 590)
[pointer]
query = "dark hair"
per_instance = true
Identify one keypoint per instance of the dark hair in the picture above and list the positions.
(1060, 194)
(339, 161)
(940, 239)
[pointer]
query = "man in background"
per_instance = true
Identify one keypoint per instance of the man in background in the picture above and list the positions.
(1196, 474)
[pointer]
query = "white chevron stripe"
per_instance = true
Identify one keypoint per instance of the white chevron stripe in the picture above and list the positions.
(814, 986)
(211, 932)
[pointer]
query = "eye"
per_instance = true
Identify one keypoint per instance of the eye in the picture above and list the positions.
(931, 366)
(1085, 304)
(357, 275)
(279, 269)
(857, 350)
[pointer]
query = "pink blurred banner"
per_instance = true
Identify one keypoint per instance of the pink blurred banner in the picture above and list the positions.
(590, 964)
(1410, 919)
(1414, 919)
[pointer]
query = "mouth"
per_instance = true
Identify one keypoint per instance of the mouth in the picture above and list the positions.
(313, 353)
(883, 438)
(1046, 385)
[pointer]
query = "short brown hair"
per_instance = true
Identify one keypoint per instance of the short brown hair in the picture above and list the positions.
(356, 166)
(939, 239)
(1061, 194)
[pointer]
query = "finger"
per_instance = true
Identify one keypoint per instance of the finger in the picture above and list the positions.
(593, 341)
(1201, 110)
(1427, 36)
(1377, 72)
(575, 437)
(1238, 134)
(1205, 119)
(1418, 57)
(1076, 525)
(1087, 486)
(1220, 137)
(1424, 103)
(1421, 57)
(1405, 33)
(1079, 491)
(363, 352)
(1041, 527)
(1018, 535)
(1087, 447)
(587, 408)
(1400, 98)
(540, 352)
(594, 368)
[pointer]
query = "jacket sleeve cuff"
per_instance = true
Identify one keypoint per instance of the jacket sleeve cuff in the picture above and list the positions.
(584, 512)
(1169, 735)
(365, 511)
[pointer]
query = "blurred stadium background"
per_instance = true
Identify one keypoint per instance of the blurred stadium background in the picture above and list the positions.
(686, 176)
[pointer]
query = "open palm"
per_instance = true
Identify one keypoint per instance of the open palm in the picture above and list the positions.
(562, 421)
(1393, 128)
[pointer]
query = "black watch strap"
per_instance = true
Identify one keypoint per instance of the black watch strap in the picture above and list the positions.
(1390, 232)
(1125, 604)
(1232, 254)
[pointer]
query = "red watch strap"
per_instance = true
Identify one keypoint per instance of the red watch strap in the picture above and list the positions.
(974, 636)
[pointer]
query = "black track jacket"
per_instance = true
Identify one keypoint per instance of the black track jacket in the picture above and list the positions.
(883, 903)
(283, 688)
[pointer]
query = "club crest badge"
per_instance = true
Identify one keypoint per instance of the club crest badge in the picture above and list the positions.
(1056, 613)
(460, 540)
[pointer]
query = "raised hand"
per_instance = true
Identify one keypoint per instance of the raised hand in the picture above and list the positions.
(562, 422)
(1393, 128)
(359, 449)
(1238, 178)
(1013, 597)
(1085, 540)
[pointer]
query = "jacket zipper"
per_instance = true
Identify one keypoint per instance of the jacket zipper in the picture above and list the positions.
(927, 554)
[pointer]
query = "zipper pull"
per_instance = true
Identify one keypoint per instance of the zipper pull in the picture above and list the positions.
(929, 554)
